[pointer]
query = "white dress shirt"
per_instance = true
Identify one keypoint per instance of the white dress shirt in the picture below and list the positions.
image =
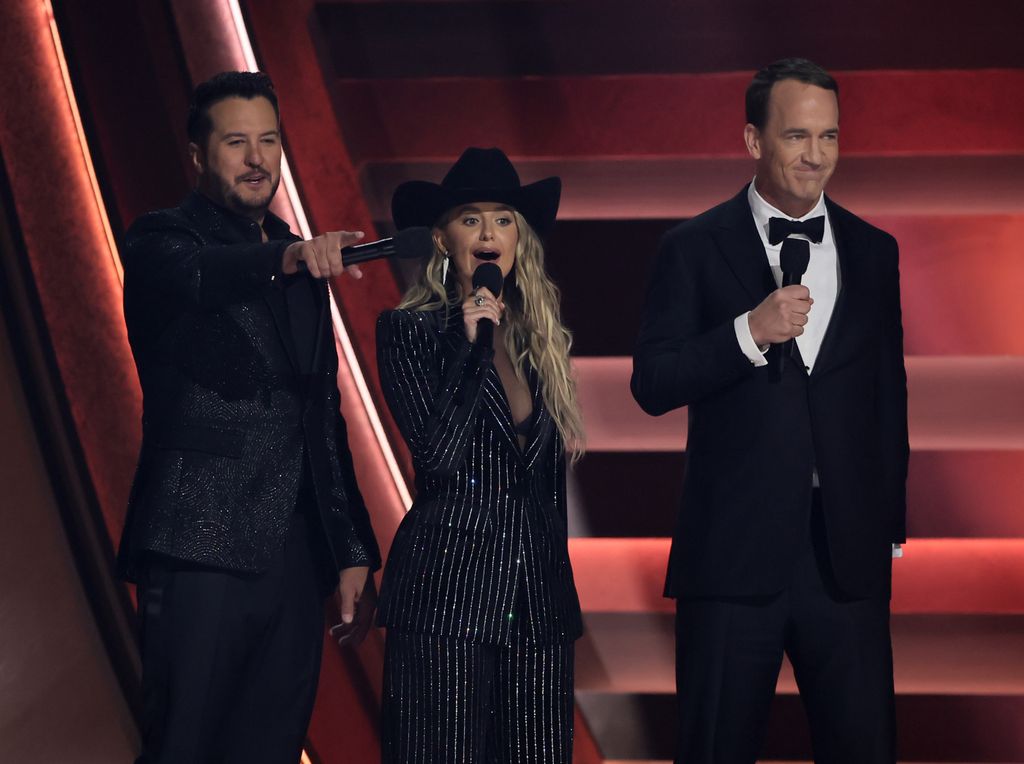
(821, 279)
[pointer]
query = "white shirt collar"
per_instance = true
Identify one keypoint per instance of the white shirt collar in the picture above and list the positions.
(762, 211)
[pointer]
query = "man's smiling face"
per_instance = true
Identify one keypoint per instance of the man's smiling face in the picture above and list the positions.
(240, 167)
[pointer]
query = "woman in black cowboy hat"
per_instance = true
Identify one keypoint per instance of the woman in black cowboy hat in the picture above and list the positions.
(478, 596)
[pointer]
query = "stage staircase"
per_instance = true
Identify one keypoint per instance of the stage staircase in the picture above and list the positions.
(638, 108)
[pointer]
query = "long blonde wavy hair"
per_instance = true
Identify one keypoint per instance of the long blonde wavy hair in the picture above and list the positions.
(534, 332)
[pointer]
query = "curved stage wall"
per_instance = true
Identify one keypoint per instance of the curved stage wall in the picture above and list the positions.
(639, 109)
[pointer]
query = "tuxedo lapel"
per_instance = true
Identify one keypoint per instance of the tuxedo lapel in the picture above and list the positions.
(849, 297)
(740, 245)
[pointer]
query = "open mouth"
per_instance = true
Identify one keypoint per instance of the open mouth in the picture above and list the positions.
(487, 254)
(254, 180)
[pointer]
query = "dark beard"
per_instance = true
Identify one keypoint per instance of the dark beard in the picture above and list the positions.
(223, 193)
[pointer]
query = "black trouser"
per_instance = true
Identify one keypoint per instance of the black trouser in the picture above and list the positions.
(728, 655)
(230, 662)
(449, 700)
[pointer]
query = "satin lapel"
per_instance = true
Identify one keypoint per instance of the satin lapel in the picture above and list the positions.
(278, 305)
(849, 275)
(543, 424)
(322, 303)
(740, 245)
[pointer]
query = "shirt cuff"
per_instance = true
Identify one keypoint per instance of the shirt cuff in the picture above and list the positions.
(750, 349)
(897, 551)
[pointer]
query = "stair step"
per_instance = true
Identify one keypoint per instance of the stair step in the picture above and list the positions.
(956, 403)
(934, 655)
(662, 116)
(936, 577)
(504, 37)
(940, 280)
(950, 494)
(625, 187)
(948, 729)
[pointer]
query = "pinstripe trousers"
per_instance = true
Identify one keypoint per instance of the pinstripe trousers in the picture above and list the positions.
(451, 701)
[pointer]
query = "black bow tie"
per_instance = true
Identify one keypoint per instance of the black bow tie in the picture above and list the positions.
(780, 228)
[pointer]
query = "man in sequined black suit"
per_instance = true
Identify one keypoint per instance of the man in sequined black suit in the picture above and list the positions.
(245, 511)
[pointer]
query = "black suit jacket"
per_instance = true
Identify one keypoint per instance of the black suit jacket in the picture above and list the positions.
(483, 552)
(230, 420)
(754, 438)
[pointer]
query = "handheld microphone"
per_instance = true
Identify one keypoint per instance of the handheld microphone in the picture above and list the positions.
(408, 244)
(794, 258)
(487, 276)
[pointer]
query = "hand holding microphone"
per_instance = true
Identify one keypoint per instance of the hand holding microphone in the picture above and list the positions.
(334, 253)
(321, 255)
(782, 315)
(483, 308)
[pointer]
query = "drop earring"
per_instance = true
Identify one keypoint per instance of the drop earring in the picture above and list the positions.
(444, 268)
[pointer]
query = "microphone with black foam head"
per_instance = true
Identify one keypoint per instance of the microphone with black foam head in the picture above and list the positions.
(794, 258)
(411, 243)
(487, 276)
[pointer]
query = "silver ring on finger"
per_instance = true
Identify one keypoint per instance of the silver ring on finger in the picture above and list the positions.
(479, 300)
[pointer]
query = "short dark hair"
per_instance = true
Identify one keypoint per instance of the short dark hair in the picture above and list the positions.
(760, 88)
(246, 85)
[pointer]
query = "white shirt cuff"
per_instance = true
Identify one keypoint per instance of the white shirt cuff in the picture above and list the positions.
(897, 550)
(750, 349)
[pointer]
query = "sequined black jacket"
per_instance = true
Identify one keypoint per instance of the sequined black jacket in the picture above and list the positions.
(484, 550)
(227, 417)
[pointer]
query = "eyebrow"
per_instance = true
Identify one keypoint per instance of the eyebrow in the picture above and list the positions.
(805, 131)
(237, 134)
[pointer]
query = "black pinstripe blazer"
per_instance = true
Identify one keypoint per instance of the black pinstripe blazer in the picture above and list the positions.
(483, 551)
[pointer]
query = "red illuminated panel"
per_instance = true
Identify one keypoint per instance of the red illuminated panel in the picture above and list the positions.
(660, 116)
(672, 188)
(961, 280)
(69, 248)
(935, 576)
(956, 403)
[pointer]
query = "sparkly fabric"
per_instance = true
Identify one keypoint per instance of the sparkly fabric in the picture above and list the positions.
(228, 416)
(482, 555)
(447, 700)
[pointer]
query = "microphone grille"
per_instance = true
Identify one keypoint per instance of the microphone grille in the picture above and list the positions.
(488, 275)
(795, 256)
(414, 243)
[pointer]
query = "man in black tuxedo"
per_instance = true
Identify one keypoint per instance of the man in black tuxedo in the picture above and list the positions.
(244, 512)
(794, 494)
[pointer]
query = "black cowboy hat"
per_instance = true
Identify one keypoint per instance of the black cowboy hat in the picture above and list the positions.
(480, 175)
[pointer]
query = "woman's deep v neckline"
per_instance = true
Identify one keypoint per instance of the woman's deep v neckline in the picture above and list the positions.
(520, 428)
